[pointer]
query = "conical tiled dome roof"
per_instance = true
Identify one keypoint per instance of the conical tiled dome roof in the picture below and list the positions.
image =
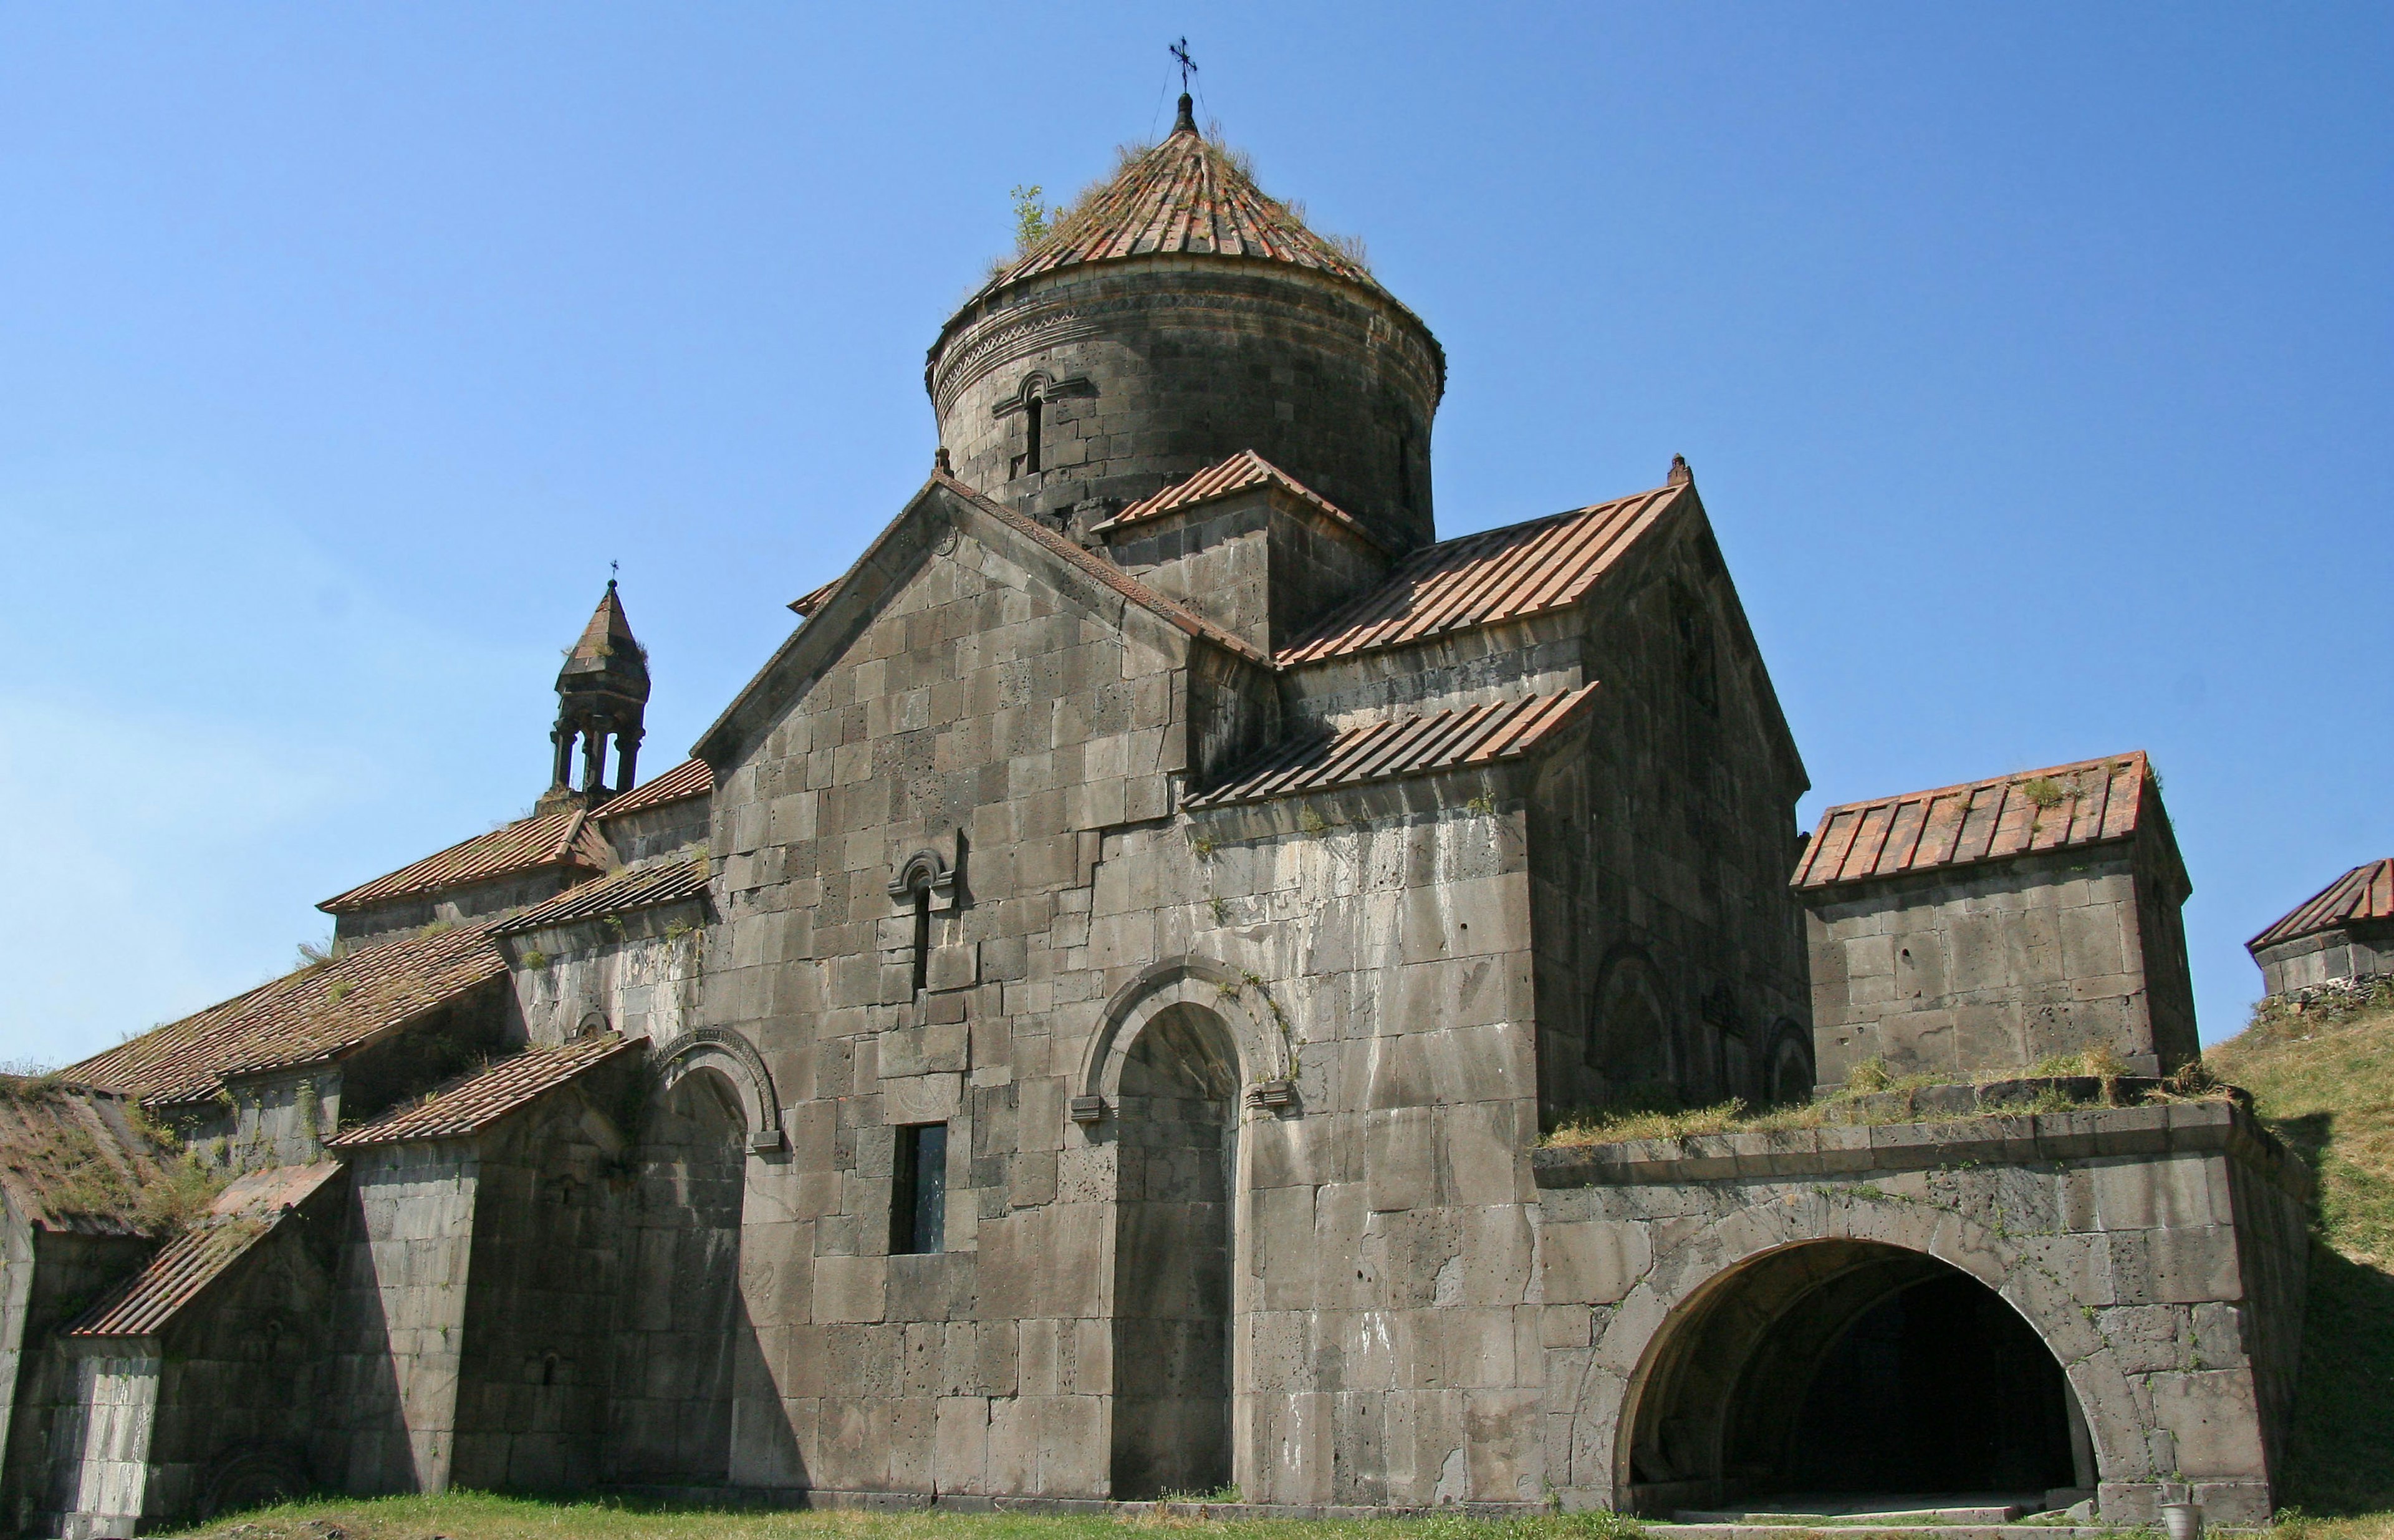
(607, 656)
(1183, 197)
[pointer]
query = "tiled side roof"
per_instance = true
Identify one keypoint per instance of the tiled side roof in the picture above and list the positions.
(243, 1215)
(562, 838)
(1183, 197)
(1480, 579)
(314, 1014)
(1405, 745)
(473, 1102)
(1241, 472)
(2364, 894)
(805, 604)
(616, 894)
(1106, 572)
(688, 778)
(2049, 809)
(71, 1159)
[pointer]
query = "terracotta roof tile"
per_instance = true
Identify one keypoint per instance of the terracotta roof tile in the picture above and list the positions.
(562, 838)
(1480, 579)
(616, 894)
(473, 1102)
(1183, 197)
(1241, 472)
(2364, 894)
(2047, 809)
(805, 604)
(312, 1015)
(243, 1215)
(688, 778)
(1403, 746)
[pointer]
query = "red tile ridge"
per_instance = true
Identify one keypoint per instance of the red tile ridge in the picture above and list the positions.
(2091, 801)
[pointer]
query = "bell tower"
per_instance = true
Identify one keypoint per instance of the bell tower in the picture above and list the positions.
(602, 692)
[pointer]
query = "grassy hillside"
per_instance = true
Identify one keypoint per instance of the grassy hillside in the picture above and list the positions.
(2324, 1081)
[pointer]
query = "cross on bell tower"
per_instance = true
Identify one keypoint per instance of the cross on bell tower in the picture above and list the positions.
(602, 692)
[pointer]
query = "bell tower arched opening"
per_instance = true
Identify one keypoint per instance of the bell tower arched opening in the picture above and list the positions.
(670, 1419)
(1839, 1374)
(1176, 1163)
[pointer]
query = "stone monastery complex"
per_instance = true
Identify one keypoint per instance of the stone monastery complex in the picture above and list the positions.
(1089, 1021)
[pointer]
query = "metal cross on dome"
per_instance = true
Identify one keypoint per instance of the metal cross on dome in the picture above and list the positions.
(1179, 52)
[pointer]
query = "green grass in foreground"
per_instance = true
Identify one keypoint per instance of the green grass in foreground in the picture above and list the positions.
(479, 1515)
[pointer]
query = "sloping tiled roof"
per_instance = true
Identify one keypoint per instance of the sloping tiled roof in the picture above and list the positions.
(71, 1159)
(616, 894)
(1241, 472)
(805, 604)
(473, 1102)
(1183, 197)
(243, 1215)
(1480, 579)
(2049, 809)
(1405, 745)
(2364, 894)
(562, 838)
(688, 778)
(315, 1014)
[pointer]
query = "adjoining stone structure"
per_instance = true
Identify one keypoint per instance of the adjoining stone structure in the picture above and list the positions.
(2340, 937)
(1085, 1022)
(1984, 927)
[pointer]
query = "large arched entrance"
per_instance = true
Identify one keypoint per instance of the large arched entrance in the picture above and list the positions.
(1175, 1158)
(1839, 1373)
(670, 1416)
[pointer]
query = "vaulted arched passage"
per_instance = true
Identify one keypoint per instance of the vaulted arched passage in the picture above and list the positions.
(1842, 1369)
(1175, 1159)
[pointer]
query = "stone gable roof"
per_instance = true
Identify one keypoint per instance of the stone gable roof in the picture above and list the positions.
(1495, 576)
(245, 1213)
(470, 1103)
(616, 894)
(1241, 472)
(307, 1016)
(2364, 894)
(563, 838)
(2064, 806)
(1185, 197)
(1462, 738)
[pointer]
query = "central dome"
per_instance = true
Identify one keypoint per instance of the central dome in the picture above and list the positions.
(1177, 315)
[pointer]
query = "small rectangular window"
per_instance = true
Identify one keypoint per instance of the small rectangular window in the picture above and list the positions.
(918, 1195)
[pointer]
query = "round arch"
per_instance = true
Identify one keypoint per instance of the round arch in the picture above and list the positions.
(1263, 1051)
(737, 1061)
(1649, 1346)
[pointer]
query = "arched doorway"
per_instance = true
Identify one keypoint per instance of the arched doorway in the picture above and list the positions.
(1174, 1161)
(1836, 1371)
(670, 1416)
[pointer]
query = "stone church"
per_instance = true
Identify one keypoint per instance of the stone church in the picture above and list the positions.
(1087, 1020)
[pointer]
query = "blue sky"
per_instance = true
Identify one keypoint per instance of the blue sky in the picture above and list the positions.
(2032, 360)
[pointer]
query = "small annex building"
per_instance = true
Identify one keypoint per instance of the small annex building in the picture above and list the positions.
(2339, 939)
(1105, 1010)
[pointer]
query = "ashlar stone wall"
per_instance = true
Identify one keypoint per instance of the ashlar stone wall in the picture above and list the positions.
(1997, 965)
(2158, 1252)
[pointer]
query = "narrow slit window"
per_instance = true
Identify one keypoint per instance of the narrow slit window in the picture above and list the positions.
(918, 1192)
(1031, 414)
(922, 938)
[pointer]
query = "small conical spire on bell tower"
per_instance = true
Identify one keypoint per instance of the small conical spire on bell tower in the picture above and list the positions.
(602, 692)
(1187, 122)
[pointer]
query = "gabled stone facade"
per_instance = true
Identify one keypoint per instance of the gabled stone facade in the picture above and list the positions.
(1086, 1022)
